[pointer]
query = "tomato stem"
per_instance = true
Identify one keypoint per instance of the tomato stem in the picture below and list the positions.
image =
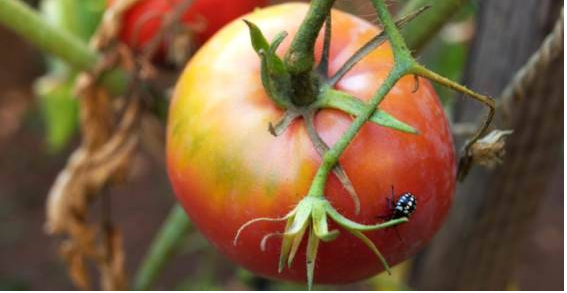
(332, 156)
(300, 57)
(172, 233)
(403, 64)
(402, 54)
(370, 46)
(465, 160)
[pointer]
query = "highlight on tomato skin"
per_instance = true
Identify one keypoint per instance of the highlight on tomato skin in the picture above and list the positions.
(226, 168)
(142, 21)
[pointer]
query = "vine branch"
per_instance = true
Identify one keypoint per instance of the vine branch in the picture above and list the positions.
(166, 243)
(22, 19)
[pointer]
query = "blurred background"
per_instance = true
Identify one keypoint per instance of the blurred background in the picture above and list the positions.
(483, 44)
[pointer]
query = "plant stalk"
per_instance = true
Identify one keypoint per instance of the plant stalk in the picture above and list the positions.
(331, 158)
(300, 57)
(404, 64)
(22, 19)
(166, 243)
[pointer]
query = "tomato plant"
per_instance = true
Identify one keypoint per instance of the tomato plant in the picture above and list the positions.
(142, 21)
(227, 169)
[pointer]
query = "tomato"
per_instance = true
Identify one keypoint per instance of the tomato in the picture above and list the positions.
(143, 20)
(226, 168)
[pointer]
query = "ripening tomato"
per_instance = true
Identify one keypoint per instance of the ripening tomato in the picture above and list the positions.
(205, 17)
(226, 168)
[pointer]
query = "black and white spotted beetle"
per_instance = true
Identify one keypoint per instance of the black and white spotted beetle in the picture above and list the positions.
(405, 206)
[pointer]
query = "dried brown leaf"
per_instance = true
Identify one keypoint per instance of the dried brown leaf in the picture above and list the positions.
(490, 150)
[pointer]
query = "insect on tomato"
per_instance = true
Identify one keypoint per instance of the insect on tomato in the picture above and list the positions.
(143, 20)
(226, 168)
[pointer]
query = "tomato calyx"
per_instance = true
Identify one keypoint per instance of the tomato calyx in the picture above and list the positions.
(310, 217)
(277, 80)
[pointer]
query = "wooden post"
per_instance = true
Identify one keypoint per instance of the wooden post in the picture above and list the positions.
(478, 248)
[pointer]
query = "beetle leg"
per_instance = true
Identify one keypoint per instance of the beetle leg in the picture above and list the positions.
(398, 234)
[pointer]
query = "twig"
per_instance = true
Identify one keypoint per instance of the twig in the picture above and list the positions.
(171, 235)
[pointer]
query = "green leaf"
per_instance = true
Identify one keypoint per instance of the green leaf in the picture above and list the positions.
(341, 101)
(59, 110)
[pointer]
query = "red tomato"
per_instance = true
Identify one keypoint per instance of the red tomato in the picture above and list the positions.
(143, 20)
(226, 168)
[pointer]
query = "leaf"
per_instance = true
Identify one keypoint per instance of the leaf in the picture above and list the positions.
(341, 101)
(59, 110)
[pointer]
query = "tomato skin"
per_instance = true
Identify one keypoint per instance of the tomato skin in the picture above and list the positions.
(226, 168)
(209, 15)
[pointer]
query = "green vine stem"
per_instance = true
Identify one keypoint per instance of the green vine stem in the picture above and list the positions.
(300, 58)
(418, 33)
(165, 245)
(331, 158)
(22, 19)
(403, 65)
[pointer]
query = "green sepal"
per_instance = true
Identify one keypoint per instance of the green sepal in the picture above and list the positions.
(303, 211)
(295, 245)
(341, 101)
(59, 110)
(286, 246)
(278, 80)
(259, 42)
(273, 72)
(320, 225)
(275, 63)
(312, 248)
(351, 225)
(372, 247)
